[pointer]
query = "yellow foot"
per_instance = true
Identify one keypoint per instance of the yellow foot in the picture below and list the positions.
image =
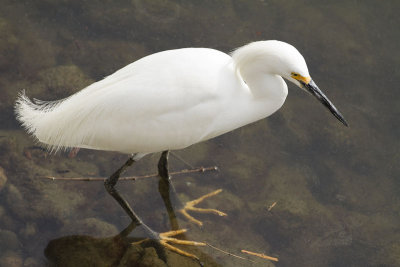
(190, 206)
(165, 239)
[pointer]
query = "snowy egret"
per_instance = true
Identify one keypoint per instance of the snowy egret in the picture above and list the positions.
(171, 100)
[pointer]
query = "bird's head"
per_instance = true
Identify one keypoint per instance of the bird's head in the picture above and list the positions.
(280, 58)
(292, 66)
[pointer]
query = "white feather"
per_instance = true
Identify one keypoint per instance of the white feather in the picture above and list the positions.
(168, 100)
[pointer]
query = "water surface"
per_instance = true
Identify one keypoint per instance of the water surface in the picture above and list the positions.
(336, 189)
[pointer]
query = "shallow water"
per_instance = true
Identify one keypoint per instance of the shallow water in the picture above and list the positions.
(336, 189)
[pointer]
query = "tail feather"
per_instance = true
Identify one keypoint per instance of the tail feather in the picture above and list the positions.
(32, 115)
(27, 112)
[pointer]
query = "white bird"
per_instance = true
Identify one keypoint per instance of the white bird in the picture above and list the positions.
(171, 100)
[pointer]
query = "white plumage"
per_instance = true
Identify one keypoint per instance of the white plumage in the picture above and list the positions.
(169, 100)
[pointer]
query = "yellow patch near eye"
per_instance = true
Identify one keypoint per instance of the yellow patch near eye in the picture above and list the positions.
(298, 77)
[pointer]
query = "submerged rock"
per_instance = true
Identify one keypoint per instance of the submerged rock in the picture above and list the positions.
(3, 178)
(14, 198)
(8, 241)
(31, 262)
(91, 226)
(84, 251)
(142, 257)
(11, 259)
(28, 231)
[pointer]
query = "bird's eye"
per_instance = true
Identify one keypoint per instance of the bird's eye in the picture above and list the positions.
(295, 74)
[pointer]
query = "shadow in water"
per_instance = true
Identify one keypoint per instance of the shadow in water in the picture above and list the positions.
(122, 250)
(119, 250)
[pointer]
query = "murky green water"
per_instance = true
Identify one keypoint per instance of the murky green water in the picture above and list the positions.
(336, 188)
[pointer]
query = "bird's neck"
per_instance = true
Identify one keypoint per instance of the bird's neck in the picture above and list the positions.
(266, 87)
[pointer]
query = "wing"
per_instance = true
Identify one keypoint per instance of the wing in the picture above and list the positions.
(163, 101)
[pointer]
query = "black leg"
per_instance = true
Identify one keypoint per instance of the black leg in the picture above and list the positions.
(166, 189)
(110, 183)
(163, 239)
(163, 165)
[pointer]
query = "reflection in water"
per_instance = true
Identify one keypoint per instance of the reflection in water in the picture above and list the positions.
(121, 250)
(164, 239)
(81, 250)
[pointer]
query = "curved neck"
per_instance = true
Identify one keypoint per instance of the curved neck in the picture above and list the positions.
(267, 87)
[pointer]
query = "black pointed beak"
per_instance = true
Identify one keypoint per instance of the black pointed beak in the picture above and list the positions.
(313, 89)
